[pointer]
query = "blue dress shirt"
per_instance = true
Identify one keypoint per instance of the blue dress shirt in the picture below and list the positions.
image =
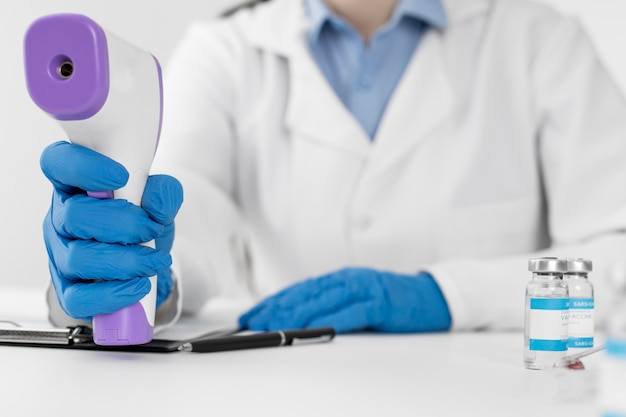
(364, 76)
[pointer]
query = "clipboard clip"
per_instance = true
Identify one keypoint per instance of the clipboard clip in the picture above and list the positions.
(66, 336)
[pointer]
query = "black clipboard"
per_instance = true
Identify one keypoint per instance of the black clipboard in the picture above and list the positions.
(81, 338)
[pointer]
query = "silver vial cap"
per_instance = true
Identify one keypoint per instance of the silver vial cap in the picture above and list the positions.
(579, 265)
(547, 264)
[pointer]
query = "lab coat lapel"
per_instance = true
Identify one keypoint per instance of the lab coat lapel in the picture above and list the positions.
(422, 101)
(314, 112)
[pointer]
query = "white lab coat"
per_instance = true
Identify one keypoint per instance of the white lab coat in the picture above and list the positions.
(505, 140)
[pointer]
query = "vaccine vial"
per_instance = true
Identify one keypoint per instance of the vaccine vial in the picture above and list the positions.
(547, 313)
(581, 305)
(613, 366)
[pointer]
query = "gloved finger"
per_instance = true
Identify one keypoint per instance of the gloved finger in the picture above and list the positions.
(292, 316)
(244, 319)
(70, 166)
(357, 316)
(162, 198)
(359, 282)
(292, 295)
(85, 300)
(164, 285)
(87, 259)
(259, 314)
(110, 221)
(165, 240)
(258, 308)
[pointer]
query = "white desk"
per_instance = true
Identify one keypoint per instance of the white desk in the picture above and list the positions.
(459, 374)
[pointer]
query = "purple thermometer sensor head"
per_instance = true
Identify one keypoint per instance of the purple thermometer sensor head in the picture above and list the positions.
(67, 66)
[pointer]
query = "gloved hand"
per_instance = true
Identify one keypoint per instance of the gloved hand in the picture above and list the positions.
(355, 299)
(96, 263)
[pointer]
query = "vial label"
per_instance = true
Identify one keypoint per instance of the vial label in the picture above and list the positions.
(613, 379)
(548, 324)
(581, 323)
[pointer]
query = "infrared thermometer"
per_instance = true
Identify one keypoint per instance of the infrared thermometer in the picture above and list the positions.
(107, 95)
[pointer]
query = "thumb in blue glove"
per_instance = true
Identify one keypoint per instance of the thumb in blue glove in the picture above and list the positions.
(162, 198)
(97, 264)
(355, 299)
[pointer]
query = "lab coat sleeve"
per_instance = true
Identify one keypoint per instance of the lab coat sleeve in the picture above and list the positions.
(197, 147)
(581, 143)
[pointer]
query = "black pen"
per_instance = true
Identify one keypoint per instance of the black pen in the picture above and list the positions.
(259, 340)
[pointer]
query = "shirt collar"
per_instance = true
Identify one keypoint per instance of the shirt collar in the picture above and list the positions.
(428, 11)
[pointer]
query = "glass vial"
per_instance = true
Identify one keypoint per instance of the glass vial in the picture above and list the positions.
(581, 305)
(547, 313)
(613, 370)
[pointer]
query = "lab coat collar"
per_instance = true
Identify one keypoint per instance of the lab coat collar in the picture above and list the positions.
(421, 102)
(266, 33)
(314, 110)
(316, 113)
(281, 38)
(458, 11)
(428, 11)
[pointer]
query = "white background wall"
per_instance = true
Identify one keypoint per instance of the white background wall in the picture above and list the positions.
(155, 25)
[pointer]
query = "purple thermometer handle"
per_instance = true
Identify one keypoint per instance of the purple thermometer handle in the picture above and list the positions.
(127, 326)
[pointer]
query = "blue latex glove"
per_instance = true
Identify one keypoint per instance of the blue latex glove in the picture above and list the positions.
(355, 299)
(96, 263)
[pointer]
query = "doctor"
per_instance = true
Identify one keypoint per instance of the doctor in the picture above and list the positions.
(382, 164)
